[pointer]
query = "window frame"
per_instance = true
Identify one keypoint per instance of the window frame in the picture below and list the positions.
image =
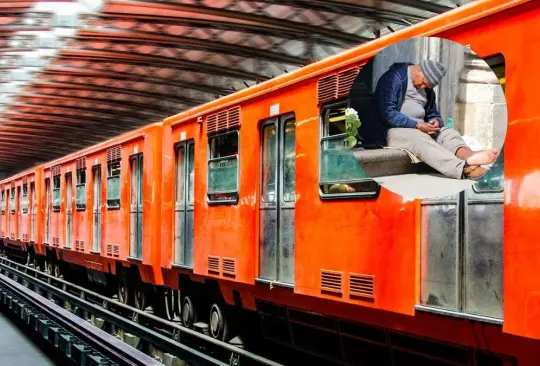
(210, 160)
(59, 189)
(109, 176)
(322, 138)
(24, 199)
(12, 202)
(80, 207)
(3, 202)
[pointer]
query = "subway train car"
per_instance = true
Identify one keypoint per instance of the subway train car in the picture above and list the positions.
(229, 208)
(250, 219)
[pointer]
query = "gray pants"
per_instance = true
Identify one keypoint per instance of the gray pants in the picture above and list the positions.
(438, 151)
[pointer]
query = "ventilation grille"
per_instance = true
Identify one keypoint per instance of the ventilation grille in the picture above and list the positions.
(80, 163)
(56, 241)
(331, 281)
(55, 170)
(25, 237)
(327, 88)
(229, 266)
(336, 85)
(116, 250)
(224, 120)
(362, 285)
(12, 235)
(213, 264)
(108, 251)
(79, 245)
(114, 153)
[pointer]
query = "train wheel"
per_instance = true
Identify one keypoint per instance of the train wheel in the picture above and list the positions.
(218, 326)
(189, 312)
(140, 296)
(123, 289)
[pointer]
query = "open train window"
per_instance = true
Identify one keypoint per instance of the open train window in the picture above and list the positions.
(3, 202)
(56, 193)
(80, 194)
(493, 180)
(113, 184)
(223, 168)
(12, 201)
(24, 201)
(340, 174)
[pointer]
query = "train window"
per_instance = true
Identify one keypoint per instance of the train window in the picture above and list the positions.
(340, 174)
(56, 193)
(113, 184)
(12, 201)
(24, 201)
(223, 168)
(3, 202)
(81, 190)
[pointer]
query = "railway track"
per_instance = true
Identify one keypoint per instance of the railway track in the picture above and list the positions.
(101, 325)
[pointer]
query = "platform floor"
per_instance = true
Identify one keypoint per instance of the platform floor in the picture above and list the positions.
(16, 348)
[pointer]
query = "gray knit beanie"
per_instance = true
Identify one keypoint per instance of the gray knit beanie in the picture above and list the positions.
(433, 70)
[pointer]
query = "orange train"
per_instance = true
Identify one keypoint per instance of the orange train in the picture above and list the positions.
(230, 205)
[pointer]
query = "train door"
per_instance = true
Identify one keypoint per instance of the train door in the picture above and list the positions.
(69, 209)
(136, 211)
(462, 243)
(96, 209)
(48, 211)
(33, 212)
(278, 196)
(184, 203)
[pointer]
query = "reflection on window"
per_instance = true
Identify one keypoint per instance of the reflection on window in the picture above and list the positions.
(80, 194)
(56, 193)
(12, 201)
(493, 180)
(24, 200)
(113, 184)
(191, 174)
(269, 149)
(223, 168)
(289, 162)
(340, 173)
(3, 202)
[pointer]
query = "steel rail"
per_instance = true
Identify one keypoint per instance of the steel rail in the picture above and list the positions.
(129, 318)
(45, 315)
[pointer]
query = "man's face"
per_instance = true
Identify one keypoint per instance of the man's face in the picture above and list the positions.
(420, 81)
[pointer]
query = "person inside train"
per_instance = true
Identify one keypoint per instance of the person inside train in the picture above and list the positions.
(406, 116)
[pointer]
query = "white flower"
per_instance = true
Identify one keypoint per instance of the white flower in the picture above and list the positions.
(351, 112)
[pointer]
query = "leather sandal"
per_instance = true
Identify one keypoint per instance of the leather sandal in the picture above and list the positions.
(474, 172)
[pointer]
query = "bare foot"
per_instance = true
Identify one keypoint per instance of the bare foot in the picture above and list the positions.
(483, 157)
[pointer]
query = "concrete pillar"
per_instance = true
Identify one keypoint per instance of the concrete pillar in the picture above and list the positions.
(480, 109)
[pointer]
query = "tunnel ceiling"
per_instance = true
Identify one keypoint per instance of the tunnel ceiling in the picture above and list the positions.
(70, 79)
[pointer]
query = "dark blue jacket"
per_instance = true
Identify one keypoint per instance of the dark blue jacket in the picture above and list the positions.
(386, 105)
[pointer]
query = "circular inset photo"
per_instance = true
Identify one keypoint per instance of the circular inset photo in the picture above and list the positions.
(427, 117)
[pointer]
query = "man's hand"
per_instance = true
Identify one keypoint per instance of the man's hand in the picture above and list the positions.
(434, 122)
(428, 128)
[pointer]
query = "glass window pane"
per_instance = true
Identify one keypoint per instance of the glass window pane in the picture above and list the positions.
(289, 162)
(223, 177)
(180, 155)
(338, 163)
(191, 172)
(493, 180)
(223, 168)
(439, 256)
(269, 168)
(134, 181)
